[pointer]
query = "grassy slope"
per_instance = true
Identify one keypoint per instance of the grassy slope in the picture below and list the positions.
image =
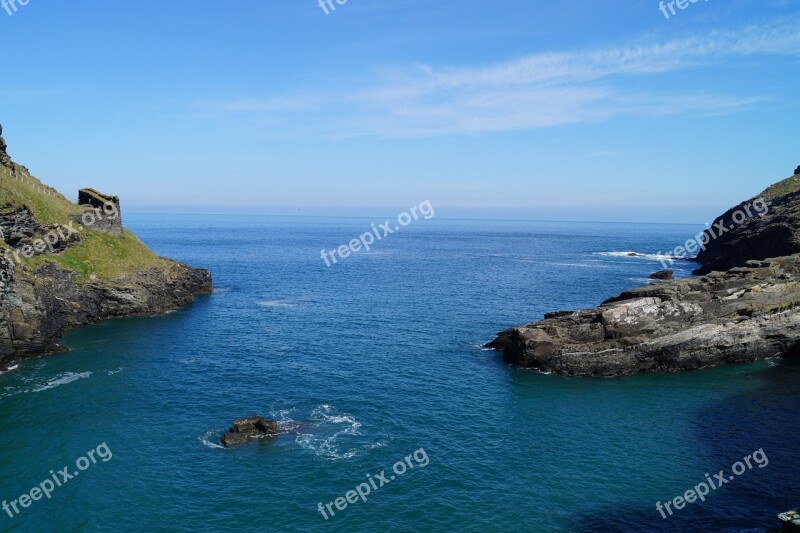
(782, 188)
(103, 256)
(47, 209)
(99, 255)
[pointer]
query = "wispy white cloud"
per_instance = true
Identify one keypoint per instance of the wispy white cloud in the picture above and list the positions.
(539, 90)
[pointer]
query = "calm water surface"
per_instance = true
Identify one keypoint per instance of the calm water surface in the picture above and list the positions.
(373, 359)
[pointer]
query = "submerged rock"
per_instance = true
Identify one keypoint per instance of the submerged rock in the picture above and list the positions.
(245, 429)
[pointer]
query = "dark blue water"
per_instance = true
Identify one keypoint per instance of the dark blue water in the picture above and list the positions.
(371, 360)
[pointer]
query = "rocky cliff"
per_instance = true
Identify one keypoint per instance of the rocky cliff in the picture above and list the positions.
(66, 265)
(747, 307)
(738, 236)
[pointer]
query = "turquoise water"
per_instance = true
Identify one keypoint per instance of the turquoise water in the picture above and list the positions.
(374, 359)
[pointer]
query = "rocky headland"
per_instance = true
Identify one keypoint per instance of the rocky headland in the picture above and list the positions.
(65, 265)
(745, 306)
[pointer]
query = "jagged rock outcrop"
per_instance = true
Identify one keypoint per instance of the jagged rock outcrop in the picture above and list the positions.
(743, 314)
(41, 297)
(5, 160)
(18, 225)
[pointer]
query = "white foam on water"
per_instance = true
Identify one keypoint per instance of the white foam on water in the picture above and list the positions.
(285, 302)
(331, 428)
(9, 369)
(62, 379)
(205, 438)
(583, 265)
(638, 255)
(117, 371)
(276, 303)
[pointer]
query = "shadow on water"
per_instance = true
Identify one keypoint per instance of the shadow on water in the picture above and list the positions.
(134, 327)
(762, 418)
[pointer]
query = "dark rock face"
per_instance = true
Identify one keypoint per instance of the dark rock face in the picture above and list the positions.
(664, 275)
(19, 228)
(797, 171)
(18, 225)
(245, 429)
(743, 315)
(775, 234)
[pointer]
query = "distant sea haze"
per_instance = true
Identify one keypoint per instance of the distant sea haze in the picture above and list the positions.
(698, 216)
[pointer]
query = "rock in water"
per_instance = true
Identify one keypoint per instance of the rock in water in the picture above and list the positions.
(245, 429)
(750, 311)
(663, 275)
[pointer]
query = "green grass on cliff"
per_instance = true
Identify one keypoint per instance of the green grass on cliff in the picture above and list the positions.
(47, 205)
(102, 256)
(98, 256)
(782, 188)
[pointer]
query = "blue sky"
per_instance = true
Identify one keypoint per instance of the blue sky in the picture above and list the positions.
(576, 110)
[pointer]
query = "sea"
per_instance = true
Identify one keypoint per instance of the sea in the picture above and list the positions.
(392, 414)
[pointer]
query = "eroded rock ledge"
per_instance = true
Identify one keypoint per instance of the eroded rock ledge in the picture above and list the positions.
(742, 315)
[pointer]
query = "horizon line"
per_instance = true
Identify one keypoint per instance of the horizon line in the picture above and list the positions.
(445, 217)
